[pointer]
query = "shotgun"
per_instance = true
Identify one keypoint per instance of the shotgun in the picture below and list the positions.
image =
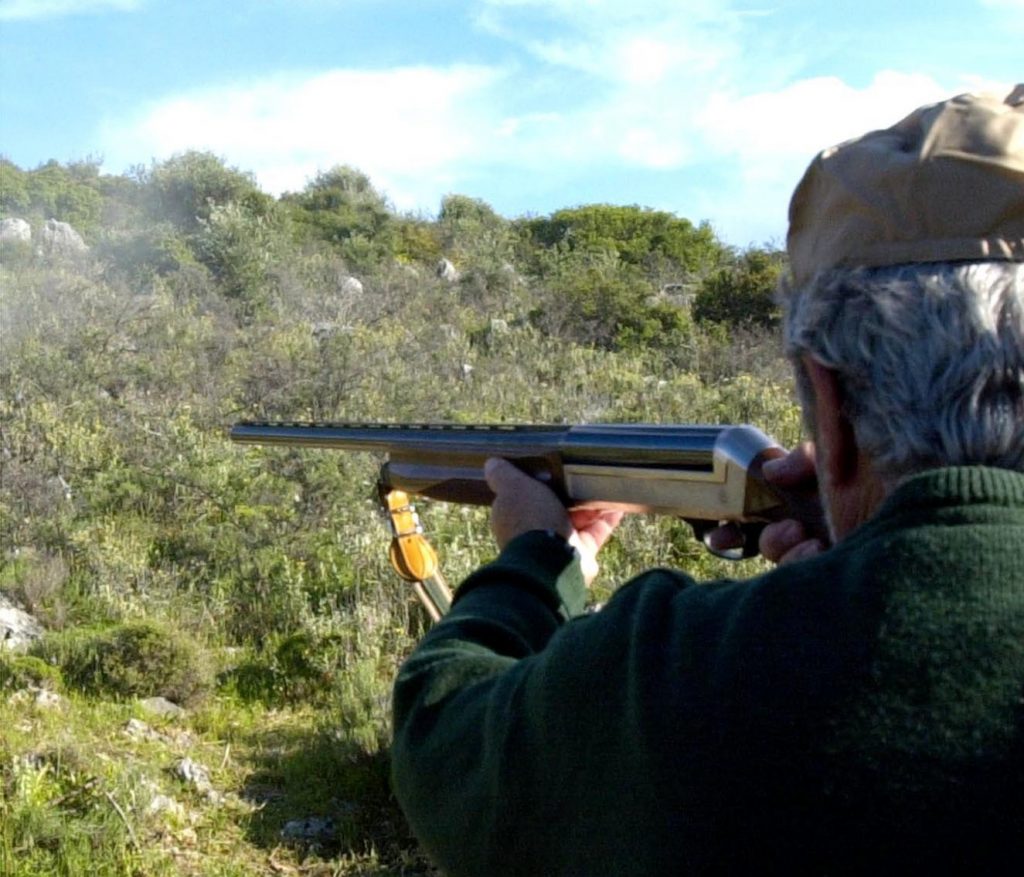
(704, 474)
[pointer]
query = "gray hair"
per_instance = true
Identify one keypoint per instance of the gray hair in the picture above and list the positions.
(930, 358)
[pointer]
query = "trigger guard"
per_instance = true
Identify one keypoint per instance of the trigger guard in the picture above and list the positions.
(751, 532)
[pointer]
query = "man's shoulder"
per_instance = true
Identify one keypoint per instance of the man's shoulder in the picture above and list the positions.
(799, 610)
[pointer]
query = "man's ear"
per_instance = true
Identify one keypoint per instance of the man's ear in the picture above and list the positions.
(837, 450)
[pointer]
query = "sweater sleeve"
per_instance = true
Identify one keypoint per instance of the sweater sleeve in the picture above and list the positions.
(496, 708)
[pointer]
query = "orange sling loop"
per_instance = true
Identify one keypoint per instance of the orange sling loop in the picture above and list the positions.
(413, 557)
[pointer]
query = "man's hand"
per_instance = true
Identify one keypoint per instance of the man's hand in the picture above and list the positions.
(522, 504)
(794, 473)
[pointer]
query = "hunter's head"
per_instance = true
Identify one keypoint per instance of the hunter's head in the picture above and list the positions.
(904, 311)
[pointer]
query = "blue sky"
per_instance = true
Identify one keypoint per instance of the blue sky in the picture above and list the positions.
(710, 109)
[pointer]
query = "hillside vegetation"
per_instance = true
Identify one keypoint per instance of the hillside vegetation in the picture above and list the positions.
(251, 587)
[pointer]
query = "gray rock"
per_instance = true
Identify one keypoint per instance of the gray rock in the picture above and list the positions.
(37, 697)
(139, 730)
(17, 628)
(193, 773)
(47, 699)
(165, 804)
(351, 286)
(447, 271)
(60, 239)
(161, 706)
(197, 776)
(15, 231)
(312, 829)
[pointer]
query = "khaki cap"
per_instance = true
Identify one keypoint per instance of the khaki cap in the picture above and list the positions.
(946, 184)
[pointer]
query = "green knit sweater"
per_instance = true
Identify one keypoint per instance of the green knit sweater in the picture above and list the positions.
(858, 712)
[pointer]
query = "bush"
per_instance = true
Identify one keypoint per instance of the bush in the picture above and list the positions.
(742, 294)
(52, 191)
(608, 305)
(417, 240)
(130, 660)
(238, 247)
(297, 668)
(25, 671)
(185, 188)
(341, 206)
(472, 234)
(347, 666)
(645, 238)
(14, 195)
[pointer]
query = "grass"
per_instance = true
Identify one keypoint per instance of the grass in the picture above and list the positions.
(89, 787)
(89, 783)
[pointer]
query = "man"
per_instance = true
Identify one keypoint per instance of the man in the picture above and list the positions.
(858, 710)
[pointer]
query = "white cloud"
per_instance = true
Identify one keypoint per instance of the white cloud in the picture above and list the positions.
(773, 134)
(22, 10)
(417, 132)
(769, 138)
(645, 61)
(636, 43)
(638, 70)
(645, 147)
(769, 131)
(406, 128)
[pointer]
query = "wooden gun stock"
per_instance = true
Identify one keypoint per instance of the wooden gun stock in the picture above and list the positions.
(704, 474)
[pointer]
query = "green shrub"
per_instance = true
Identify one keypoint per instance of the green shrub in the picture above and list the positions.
(638, 236)
(342, 207)
(742, 294)
(417, 240)
(237, 246)
(186, 188)
(254, 681)
(472, 234)
(53, 191)
(298, 668)
(24, 671)
(14, 190)
(130, 660)
(609, 305)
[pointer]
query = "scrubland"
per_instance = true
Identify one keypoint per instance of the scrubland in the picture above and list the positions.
(250, 587)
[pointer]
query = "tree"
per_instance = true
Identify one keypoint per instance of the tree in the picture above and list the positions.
(596, 300)
(742, 293)
(472, 233)
(185, 188)
(239, 249)
(53, 191)
(342, 207)
(14, 199)
(649, 239)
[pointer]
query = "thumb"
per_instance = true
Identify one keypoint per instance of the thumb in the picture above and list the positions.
(500, 474)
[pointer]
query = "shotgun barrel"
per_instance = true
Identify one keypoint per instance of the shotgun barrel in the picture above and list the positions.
(705, 474)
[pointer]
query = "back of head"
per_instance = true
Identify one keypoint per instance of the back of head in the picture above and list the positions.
(907, 259)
